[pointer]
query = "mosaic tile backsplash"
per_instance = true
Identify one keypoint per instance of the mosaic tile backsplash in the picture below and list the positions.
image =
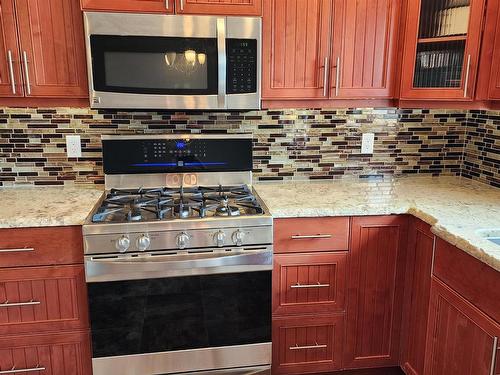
(288, 144)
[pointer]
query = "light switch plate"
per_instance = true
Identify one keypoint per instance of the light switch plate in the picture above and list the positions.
(367, 143)
(73, 146)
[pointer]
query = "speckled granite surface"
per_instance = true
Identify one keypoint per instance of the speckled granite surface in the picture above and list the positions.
(455, 207)
(46, 206)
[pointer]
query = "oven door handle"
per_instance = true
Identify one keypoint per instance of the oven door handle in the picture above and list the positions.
(163, 266)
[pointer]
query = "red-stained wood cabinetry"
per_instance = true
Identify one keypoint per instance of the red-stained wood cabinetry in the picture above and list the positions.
(10, 70)
(144, 6)
(494, 88)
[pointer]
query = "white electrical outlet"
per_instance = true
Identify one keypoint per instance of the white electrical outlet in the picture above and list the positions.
(73, 146)
(367, 142)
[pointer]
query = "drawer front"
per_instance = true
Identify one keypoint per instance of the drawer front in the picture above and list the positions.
(311, 234)
(39, 299)
(309, 283)
(41, 246)
(307, 344)
(56, 354)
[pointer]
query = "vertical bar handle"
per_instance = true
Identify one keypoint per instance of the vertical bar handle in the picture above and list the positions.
(467, 74)
(182, 4)
(26, 73)
(337, 78)
(494, 356)
(325, 77)
(11, 71)
(221, 48)
(167, 4)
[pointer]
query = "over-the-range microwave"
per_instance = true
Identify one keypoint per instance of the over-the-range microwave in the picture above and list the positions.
(148, 61)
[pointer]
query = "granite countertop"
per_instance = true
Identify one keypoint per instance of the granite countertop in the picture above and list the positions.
(455, 207)
(37, 206)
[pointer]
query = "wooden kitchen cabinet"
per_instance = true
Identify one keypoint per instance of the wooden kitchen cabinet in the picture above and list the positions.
(461, 340)
(417, 294)
(220, 7)
(10, 70)
(144, 6)
(296, 38)
(442, 47)
(494, 89)
(364, 49)
(307, 344)
(53, 354)
(374, 291)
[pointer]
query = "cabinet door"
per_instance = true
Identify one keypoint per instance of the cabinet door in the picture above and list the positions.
(417, 293)
(54, 354)
(10, 68)
(364, 48)
(442, 49)
(307, 344)
(296, 44)
(52, 48)
(494, 92)
(461, 340)
(219, 7)
(374, 292)
(309, 283)
(145, 6)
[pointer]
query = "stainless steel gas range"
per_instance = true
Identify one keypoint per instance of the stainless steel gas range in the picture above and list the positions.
(178, 259)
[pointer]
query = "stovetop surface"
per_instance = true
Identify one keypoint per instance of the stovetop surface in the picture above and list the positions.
(164, 204)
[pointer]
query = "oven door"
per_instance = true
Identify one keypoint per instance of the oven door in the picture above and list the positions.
(197, 312)
(156, 61)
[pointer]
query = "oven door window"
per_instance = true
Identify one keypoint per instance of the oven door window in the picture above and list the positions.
(154, 65)
(156, 315)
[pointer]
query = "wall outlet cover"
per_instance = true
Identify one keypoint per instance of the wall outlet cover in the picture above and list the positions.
(73, 146)
(367, 143)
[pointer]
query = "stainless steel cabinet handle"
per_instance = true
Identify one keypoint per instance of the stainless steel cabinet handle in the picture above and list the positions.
(325, 77)
(20, 250)
(182, 4)
(467, 73)
(167, 4)
(309, 286)
(317, 346)
(16, 371)
(337, 78)
(494, 356)
(11, 72)
(27, 73)
(310, 236)
(18, 304)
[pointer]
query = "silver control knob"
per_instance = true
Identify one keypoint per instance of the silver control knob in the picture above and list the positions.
(219, 238)
(122, 243)
(182, 240)
(238, 237)
(143, 242)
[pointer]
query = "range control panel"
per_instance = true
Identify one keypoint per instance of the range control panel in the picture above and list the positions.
(241, 66)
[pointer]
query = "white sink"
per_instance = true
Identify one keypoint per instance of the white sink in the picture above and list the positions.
(492, 235)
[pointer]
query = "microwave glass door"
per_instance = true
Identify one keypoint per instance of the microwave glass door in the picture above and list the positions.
(155, 65)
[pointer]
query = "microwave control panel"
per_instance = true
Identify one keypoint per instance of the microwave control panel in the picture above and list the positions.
(241, 66)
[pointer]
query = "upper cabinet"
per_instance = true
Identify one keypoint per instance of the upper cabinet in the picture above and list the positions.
(329, 49)
(218, 7)
(441, 49)
(44, 52)
(364, 48)
(494, 92)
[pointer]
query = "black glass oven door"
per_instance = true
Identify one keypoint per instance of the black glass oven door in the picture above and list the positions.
(154, 65)
(157, 315)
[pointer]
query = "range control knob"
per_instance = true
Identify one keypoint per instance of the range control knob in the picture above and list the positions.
(143, 242)
(238, 237)
(182, 240)
(219, 238)
(122, 243)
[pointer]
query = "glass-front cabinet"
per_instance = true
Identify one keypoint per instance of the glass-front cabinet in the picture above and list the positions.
(442, 49)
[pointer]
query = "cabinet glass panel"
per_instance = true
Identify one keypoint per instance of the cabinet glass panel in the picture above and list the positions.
(441, 43)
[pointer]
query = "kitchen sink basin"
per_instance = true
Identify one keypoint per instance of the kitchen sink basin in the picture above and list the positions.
(492, 235)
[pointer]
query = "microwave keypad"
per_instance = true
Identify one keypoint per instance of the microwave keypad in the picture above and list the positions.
(241, 66)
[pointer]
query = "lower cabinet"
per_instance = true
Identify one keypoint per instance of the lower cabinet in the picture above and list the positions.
(461, 340)
(375, 291)
(51, 354)
(307, 344)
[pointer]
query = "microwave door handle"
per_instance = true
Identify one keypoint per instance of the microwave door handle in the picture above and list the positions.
(221, 48)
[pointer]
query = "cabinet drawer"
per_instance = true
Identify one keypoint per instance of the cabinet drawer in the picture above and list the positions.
(307, 344)
(309, 283)
(55, 354)
(39, 299)
(311, 234)
(41, 246)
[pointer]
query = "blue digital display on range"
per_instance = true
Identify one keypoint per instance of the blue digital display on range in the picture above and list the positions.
(180, 145)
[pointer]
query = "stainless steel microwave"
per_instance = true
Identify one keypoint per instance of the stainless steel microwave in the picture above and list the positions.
(148, 61)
